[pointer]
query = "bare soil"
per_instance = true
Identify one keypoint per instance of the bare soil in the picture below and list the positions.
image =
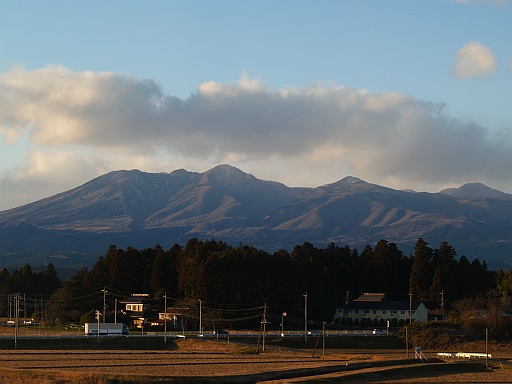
(211, 361)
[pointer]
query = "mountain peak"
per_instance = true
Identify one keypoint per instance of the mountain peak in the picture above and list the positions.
(476, 190)
(225, 169)
(352, 180)
(225, 175)
(351, 184)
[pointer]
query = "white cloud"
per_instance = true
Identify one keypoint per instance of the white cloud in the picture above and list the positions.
(474, 60)
(83, 124)
(45, 173)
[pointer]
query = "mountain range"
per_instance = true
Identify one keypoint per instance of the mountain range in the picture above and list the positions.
(138, 209)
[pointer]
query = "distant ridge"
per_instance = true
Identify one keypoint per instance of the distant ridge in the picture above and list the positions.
(140, 209)
(477, 190)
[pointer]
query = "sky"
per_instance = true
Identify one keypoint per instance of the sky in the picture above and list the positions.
(408, 94)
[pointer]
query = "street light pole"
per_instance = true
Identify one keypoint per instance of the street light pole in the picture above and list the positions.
(305, 317)
(283, 315)
(104, 305)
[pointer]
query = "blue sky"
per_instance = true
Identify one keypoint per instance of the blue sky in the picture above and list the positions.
(407, 94)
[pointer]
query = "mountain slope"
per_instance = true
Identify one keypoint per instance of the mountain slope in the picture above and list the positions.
(133, 208)
(132, 200)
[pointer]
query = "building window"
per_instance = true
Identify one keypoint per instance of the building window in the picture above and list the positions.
(134, 307)
(402, 312)
(348, 311)
(356, 311)
(374, 312)
(366, 311)
(384, 312)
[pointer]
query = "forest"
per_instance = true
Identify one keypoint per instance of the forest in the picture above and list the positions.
(225, 276)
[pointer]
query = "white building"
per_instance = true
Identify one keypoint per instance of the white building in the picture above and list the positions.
(375, 310)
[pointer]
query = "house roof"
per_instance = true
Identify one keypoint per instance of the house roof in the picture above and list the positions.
(369, 296)
(139, 300)
(384, 304)
(175, 310)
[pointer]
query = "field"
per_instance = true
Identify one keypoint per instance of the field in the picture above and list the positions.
(207, 361)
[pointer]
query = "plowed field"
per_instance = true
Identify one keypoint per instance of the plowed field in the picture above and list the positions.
(210, 361)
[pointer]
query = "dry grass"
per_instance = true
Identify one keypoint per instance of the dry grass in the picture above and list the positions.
(207, 361)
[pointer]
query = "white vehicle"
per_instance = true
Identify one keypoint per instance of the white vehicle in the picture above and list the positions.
(106, 329)
(379, 332)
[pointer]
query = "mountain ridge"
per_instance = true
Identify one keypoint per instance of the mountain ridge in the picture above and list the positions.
(140, 209)
(477, 190)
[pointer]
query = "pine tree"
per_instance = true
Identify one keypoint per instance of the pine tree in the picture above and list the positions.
(421, 274)
(117, 270)
(443, 264)
(161, 272)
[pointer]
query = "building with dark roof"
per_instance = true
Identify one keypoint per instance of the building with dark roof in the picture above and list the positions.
(375, 310)
(140, 309)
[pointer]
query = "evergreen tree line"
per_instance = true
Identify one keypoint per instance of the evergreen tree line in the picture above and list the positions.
(220, 274)
(35, 285)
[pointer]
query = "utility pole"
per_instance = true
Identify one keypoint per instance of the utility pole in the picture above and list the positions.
(486, 347)
(104, 305)
(323, 338)
(200, 319)
(16, 318)
(442, 303)
(348, 295)
(165, 318)
(264, 324)
(306, 317)
(407, 341)
(115, 311)
(410, 307)
(98, 314)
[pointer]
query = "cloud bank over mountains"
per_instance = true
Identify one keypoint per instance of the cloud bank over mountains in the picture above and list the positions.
(78, 125)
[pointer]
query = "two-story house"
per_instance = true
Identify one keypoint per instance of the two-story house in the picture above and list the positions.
(141, 309)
